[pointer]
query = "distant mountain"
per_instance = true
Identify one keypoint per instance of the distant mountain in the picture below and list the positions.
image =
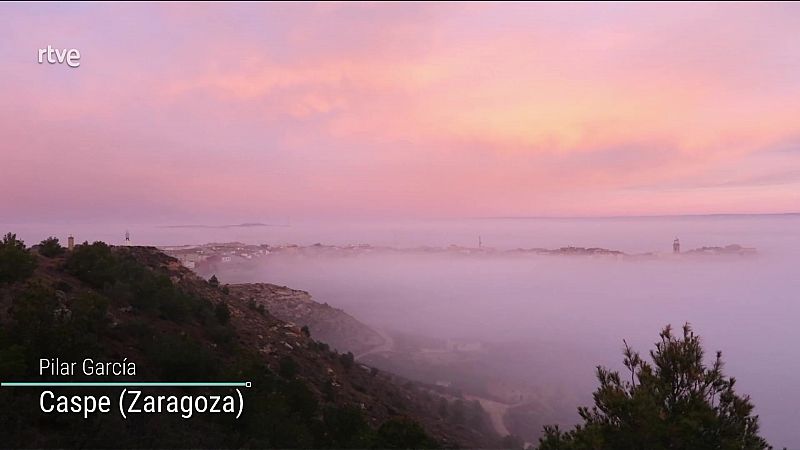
(240, 225)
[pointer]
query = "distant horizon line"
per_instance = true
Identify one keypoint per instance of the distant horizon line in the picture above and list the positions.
(639, 216)
(238, 225)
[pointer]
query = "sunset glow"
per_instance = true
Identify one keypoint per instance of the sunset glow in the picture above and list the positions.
(190, 111)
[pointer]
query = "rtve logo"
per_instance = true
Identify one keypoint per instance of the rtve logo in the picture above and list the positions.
(72, 57)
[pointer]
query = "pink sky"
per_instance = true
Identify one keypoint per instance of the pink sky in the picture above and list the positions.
(184, 112)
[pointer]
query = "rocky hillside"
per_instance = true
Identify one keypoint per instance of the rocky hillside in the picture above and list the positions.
(110, 303)
(325, 323)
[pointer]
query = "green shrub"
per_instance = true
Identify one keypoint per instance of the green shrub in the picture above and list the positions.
(402, 432)
(89, 313)
(677, 402)
(345, 427)
(93, 264)
(287, 367)
(50, 247)
(222, 312)
(347, 360)
(179, 358)
(224, 337)
(16, 262)
(35, 319)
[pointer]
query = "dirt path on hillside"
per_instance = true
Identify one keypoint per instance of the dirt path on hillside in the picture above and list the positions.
(387, 346)
(496, 410)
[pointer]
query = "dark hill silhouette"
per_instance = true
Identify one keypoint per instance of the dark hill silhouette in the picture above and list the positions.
(109, 303)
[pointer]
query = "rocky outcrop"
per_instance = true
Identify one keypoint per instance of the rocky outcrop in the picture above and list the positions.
(326, 324)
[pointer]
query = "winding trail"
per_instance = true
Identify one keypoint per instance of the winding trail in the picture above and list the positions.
(387, 346)
(496, 411)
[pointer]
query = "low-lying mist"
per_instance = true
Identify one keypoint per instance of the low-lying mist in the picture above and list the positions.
(568, 314)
